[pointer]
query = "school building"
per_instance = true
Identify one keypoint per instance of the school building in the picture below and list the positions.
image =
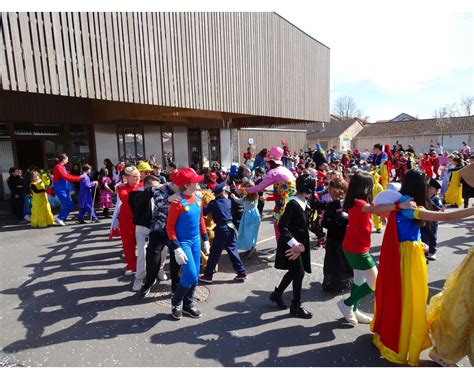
(126, 86)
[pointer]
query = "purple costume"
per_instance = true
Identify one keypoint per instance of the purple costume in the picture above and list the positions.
(85, 199)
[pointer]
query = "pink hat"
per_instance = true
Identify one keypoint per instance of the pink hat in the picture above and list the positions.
(274, 154)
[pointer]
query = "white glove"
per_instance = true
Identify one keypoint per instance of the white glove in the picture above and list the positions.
(207, 247)
(180, 256)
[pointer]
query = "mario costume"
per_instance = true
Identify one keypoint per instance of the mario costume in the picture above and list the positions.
(225, 236)
(62, 188)
(185, 227)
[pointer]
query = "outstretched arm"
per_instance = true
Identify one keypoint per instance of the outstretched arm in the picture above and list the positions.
(445, 216)
(387, 208)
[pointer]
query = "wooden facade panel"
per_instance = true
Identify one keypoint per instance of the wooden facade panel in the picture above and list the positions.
(236, 62)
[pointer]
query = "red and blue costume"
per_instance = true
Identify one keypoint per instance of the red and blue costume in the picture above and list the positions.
(62, 188)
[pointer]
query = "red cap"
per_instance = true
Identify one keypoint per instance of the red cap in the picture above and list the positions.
(213, 175)
(185, 176)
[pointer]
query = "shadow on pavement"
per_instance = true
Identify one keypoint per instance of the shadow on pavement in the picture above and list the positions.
(52, 313)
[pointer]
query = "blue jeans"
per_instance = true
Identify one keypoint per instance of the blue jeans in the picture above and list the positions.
(190, 269)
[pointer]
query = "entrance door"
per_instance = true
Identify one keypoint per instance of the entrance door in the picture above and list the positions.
(195, 153)
(29, 153)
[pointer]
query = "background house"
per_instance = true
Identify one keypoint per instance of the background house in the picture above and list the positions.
(335, 133)
(450, 132)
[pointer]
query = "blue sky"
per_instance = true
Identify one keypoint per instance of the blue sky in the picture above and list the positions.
(394, 57)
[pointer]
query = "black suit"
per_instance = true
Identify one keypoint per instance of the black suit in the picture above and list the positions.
(293, 224)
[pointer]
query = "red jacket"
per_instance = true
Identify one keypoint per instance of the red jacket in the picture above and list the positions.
(60, 172)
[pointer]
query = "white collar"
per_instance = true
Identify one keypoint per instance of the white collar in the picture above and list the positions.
(301, 203)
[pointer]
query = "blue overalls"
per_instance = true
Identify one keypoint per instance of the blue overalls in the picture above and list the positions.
(62, 189)
(189, 238)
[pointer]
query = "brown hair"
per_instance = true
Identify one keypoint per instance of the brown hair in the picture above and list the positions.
(86, 167)
(62, 157)
(339, 186)
(250, 196)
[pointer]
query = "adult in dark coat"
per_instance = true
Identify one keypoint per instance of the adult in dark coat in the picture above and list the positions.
(293, 252)
(318, 156)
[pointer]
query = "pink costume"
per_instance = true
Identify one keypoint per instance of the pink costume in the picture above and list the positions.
(283, 188)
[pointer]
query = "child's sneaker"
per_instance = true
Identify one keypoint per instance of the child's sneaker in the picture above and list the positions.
(242, 277)
(137, 285)
(205, 279)
(176, 311)
(192, 311)
(362, 318)
(162, 275)
(347, 312)
(58, 221)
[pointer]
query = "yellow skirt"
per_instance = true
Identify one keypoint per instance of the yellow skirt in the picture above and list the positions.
(453, 195)
(414, 336)
(451, 313)
(41, 214)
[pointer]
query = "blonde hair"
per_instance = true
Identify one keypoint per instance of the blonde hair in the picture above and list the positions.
(130, 170)
(339, 187)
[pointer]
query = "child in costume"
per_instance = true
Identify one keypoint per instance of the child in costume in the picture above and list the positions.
(452, 331)
(376, 219)
(293, 251)
(337, 271)
(158, 240)
(41, 214)
(62, 188)
(105, 192)
(429, 231)
(125, 217)
(225, 236)
(85, 196)
(400, 324)
(140, 204)
(207, 197)
(186, 228)
(453, 195)
(356, 244)
(283, 184)
(250, 223)
(259, 174)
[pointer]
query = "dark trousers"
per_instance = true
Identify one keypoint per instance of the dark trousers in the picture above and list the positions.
(225, 239)
(337, 271)
(16, 204)
(260, 206)
(429, 235)
(295, 274)
(157, 241)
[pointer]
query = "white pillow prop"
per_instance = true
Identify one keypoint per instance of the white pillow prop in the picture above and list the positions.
(394, 186)
(387, 197)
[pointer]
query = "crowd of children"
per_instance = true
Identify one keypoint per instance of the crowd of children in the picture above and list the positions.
(342, 199)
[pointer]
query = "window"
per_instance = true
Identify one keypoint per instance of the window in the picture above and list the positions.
(214, 145)
(81, 151)
(131, 144)
(167, 146)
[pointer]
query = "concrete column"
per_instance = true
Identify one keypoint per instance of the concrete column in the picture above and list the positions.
(152, 135)
(105, 136)
(180, 146)
(225, 147)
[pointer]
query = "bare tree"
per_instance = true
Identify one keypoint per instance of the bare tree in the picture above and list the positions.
(466, 104)
(346, 108)
(448, 110)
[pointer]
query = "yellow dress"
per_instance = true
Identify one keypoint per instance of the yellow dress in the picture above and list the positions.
(451, 313)
(453, 195)
(413, 336)
(41, 214)
(376, 220)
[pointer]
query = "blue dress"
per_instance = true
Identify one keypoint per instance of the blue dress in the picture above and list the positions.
(249, 225)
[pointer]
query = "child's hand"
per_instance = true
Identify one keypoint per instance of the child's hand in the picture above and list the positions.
(174, 198)
(409, 204)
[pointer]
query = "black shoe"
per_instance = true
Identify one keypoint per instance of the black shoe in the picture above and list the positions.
(145, 290)
(191, 311)
(276, 297)
(176, 311)
(298, 311)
